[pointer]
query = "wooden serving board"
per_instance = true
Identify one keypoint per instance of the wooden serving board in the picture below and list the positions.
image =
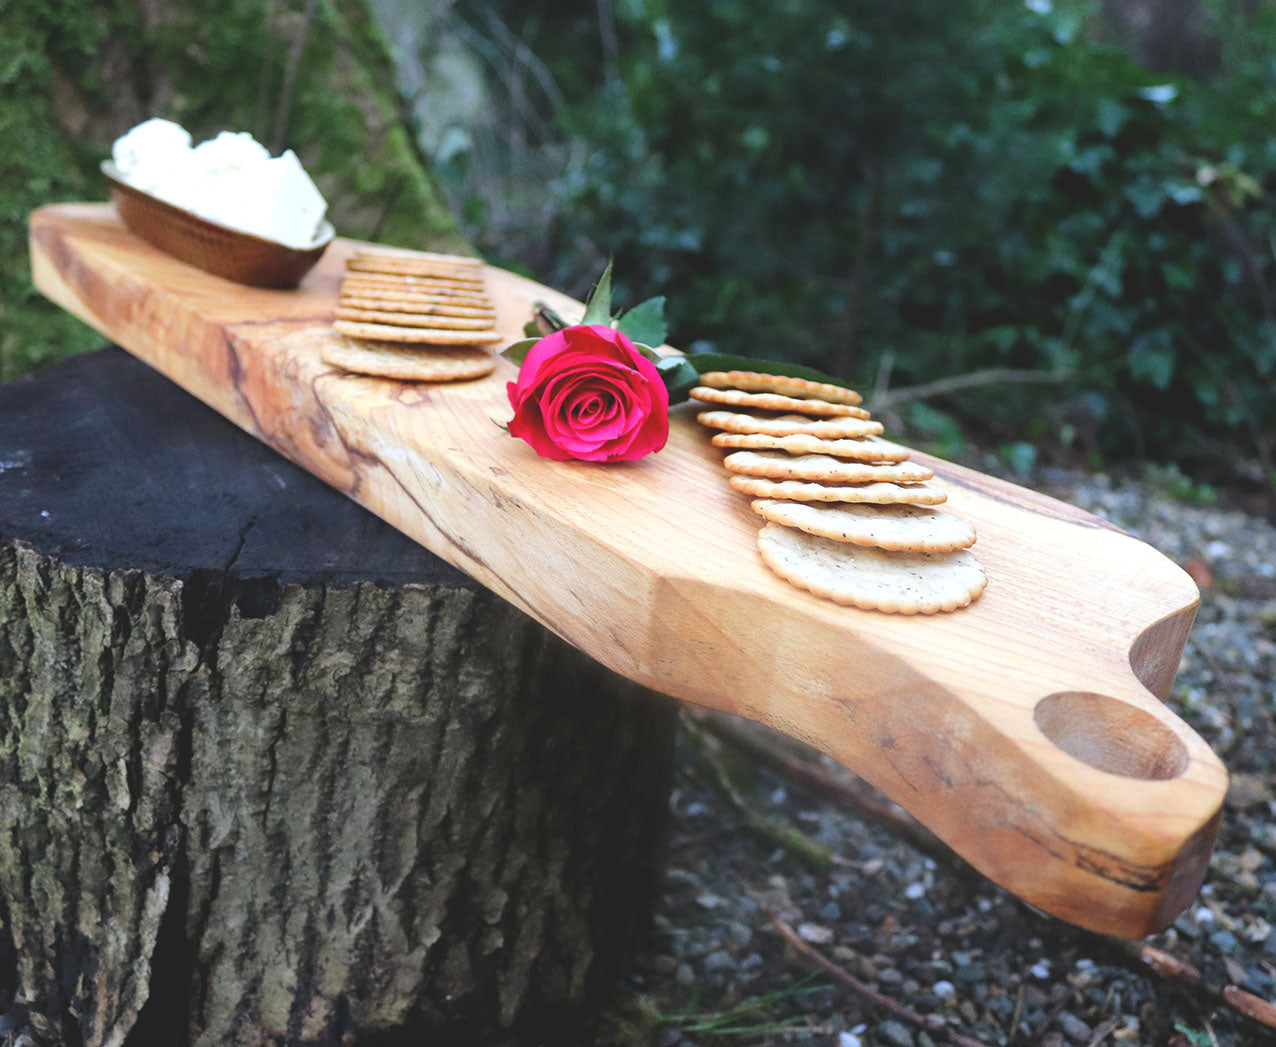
(1027, 730)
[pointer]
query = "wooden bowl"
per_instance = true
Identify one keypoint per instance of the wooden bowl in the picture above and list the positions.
(215, 248)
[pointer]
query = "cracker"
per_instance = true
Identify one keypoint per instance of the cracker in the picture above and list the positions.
(394, 304)
(425, 335)
(873, 579)
(411, 285)
(806, 491)
(757, 382)
(473, 284)
(866, 449)
(776, 402)
(382, 254)
(419, 265)
(912, 528)
(789, 425)
(408, 365)
(823, 468)
(399, 319)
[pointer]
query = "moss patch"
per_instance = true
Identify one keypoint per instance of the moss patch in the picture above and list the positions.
(311, 76)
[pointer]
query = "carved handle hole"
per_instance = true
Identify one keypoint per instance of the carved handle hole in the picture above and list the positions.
(1111, 735)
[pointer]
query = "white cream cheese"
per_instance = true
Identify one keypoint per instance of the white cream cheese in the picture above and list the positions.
(230, 179)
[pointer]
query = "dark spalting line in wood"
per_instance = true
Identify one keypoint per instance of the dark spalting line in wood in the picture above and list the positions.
(1093, 860)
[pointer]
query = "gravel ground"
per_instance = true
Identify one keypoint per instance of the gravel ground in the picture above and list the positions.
(951, 945)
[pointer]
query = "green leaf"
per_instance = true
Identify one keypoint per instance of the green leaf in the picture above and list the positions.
(645, 322)
(680, 377)
(1152, 360)
(724, 362)
(531, 330)
(517, 352)
(598, 305)
(649, 353)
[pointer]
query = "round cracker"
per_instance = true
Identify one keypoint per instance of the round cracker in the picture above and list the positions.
(804, 491)
(394, 304)
(776, 402)
(789, 425)
(471, 283)
(399, 319)
(408, 365)
(872, 579)
(424, 335)
(823, 468)
(866, 449)
(414, 299)
(359, 282)
(463, 261)
(757, 382)
(910, 528)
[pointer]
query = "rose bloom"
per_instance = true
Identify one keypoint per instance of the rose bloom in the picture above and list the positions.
(585, 392)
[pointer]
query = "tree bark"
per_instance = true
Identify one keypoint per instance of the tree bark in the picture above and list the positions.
(245, 805)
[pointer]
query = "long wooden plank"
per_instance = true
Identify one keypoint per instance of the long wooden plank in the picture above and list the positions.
(1028, 730)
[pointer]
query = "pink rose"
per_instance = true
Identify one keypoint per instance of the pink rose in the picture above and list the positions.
(585, 392)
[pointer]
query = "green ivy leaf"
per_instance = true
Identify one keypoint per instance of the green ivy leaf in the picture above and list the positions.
(517, 352)
(598, 305)
(1152, 360)
(645, 322)
(680, 377)
(724, 362)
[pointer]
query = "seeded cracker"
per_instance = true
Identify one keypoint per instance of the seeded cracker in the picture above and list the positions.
(823, 468)
(800, 491)
(393, 302)
(408, 364)
(400, 319)
(462, 261)
(789, 425)
(776, 402)
(910, 528)
(865, 449)
(757, 382)
(424, 335)
(872, 579)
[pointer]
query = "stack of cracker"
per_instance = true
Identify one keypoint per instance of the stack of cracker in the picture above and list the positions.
(850, 518)
(414, 316)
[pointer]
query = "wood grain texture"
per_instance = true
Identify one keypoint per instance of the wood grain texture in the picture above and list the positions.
(1022, 730)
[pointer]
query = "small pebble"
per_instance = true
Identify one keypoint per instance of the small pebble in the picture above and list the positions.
(815, 933)
(896, 1034)
(944, 990)
(720, 960)
(1074, 1028)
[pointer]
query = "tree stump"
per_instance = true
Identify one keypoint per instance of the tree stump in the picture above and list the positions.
(270, 773)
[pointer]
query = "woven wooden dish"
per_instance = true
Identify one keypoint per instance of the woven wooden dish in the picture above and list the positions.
(215, 248)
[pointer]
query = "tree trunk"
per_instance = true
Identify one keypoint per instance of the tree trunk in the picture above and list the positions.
(349, 797)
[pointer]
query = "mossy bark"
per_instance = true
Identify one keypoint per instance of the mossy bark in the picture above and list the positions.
(283, 814)
(311, 75)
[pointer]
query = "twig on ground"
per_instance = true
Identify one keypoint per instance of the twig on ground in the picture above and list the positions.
(959, 382)
(934, 1026)
(1013, 1034)
(1144, 957)
(773, 830)
(1233, 997)
(1105, 1030)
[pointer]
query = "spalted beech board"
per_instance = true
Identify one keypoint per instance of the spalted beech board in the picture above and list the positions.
(1027, 730)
